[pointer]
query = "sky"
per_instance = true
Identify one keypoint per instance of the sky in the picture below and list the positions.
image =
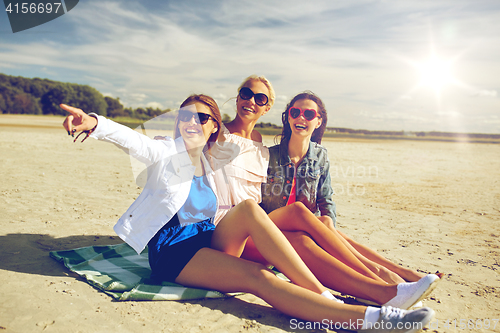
(412, 65)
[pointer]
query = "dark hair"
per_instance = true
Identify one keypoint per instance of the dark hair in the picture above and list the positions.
(212, 105)
(317, 135)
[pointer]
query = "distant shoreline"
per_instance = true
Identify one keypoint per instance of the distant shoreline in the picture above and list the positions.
(53, 121)
(347, 133)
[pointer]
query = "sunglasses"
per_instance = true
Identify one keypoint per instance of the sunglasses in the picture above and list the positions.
(199, 117)
(308, 114)
(247, 93)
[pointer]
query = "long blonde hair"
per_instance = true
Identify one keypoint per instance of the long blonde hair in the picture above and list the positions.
(272, 94)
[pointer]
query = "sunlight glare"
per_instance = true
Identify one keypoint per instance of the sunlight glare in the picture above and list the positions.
(435, 73)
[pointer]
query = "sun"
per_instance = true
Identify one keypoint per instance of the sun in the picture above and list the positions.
(435, 73)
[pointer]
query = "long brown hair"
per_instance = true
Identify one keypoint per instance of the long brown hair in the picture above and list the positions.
(212, 105)
(317, 135)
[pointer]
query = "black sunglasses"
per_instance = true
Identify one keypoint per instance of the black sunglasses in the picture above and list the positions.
(247, 93)
(199, 117)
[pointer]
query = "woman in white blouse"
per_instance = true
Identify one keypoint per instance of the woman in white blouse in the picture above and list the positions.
(208, 256)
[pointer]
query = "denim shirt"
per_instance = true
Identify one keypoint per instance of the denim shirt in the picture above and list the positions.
(313, 182)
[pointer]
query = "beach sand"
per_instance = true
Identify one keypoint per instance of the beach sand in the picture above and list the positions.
(431, 206)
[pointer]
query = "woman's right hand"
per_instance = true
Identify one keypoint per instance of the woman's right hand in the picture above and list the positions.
(77, 120)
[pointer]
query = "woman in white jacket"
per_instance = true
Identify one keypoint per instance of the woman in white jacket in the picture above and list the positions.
(174, 215)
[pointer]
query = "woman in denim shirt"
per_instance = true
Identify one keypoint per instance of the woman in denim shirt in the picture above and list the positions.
(299, 180)
(313, 183)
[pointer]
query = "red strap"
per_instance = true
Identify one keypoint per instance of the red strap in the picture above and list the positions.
(293, 194)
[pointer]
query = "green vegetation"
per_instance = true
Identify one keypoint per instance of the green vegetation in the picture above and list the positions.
(36, 96)
(20, 95)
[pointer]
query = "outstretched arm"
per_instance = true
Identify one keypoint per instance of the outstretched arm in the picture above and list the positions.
(133, 143)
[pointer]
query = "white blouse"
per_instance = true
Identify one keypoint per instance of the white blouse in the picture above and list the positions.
(240, 166)
(170, 173)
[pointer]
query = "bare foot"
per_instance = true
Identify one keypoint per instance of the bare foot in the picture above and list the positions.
(410, 275)
(413, 276)
(389, 276)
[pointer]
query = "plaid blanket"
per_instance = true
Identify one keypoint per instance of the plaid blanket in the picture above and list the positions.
(120, 272)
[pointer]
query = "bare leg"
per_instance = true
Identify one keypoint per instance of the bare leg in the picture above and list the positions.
(330, 271)
(381, 270)
(251, 253)
(212, 269)
(296, 217)
(336, 275)
(364, 251)
(248, 219)
(405, 273)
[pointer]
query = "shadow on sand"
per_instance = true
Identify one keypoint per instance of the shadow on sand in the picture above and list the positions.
(29, 253)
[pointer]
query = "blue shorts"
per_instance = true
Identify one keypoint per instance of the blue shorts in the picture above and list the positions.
(173, 247)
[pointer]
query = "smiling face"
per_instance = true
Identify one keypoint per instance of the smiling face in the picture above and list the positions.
(195, 134)
(248, 109)
(300, 126)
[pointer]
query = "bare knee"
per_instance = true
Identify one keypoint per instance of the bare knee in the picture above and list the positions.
(300, 239)
(298, 207)
(327, 221)
(250, 211)
(249, 207)
(258, 276)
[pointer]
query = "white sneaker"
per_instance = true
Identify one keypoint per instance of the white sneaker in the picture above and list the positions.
(414, 292)
(417, 305)
(394, 320)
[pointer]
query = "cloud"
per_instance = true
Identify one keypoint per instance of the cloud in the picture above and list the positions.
(148, 51)
(138, 97)
(154, 105)
(487, 93)
(220, 96)
(449, 114)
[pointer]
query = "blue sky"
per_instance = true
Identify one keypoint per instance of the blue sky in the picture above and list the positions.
(365, 59)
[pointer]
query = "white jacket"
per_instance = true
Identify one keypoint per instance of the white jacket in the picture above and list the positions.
(170, 173)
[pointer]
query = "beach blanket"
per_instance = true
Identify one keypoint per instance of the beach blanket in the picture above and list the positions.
(120, 272)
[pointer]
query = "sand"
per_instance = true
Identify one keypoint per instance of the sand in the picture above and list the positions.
(432, 206)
